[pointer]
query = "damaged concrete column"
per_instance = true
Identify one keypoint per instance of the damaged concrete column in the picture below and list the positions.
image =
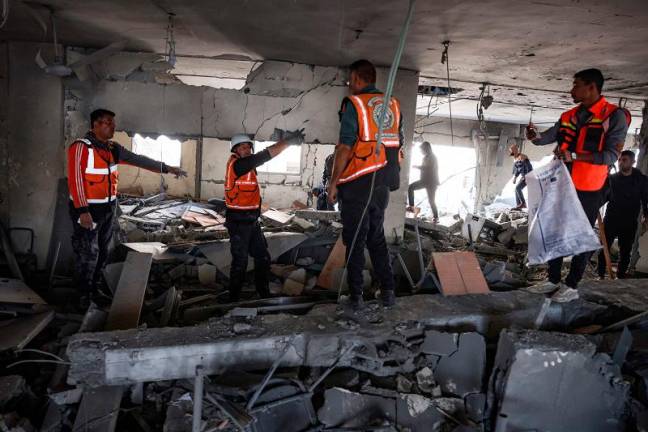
(405, 89)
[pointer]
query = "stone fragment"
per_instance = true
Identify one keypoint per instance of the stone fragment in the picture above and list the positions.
(555, 382)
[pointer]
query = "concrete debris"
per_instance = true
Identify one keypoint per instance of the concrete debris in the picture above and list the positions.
(573, 386)
(12, 388)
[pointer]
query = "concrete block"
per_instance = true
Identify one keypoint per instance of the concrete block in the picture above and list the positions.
(344, 408)
(462, 372)
(439, 343)
(555, 382)
(11, 387)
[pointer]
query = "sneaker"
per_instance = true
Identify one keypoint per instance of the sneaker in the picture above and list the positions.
(388, 298)
(356, 303)
(542, 288)
(565, 294)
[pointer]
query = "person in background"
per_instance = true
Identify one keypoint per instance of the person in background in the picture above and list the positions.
(521, 167)
(627, 195)
(319, 192)
(429, 180)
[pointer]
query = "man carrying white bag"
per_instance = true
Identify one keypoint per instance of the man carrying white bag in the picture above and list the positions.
(590, 137)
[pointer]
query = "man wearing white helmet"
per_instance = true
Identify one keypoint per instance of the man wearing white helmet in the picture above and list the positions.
(243, 201)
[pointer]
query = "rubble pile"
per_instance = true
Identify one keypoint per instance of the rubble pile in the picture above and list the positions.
(464, 349)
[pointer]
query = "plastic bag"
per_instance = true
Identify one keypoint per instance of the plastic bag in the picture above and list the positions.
(558, 226)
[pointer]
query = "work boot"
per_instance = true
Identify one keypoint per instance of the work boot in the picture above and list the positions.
(546, 287)
(565, 294)
(388, 298)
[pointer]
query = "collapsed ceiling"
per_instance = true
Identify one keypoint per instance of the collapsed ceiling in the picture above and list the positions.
(529, 45)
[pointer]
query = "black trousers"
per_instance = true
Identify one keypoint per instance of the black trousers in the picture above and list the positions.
(91, 248)
(591, 202)
(246, 238)
(624, 229)
(519, 196)
(370, 235)
(431, 193)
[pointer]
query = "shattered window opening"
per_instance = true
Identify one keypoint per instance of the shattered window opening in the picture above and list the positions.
(288, 162)
(456, 167)
(162, 149)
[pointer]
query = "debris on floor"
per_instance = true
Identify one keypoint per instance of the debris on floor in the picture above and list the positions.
(175, 355)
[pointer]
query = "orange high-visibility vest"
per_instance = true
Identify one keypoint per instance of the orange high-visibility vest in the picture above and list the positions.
(586, 139)
(241, 193)
(100, 176)
(364, 159)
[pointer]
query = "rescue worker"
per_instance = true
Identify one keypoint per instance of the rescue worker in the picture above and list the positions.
(429, 180)
(243, 201)
(92, 182)
(590, 137)
(356, 167)
(627, 195)
(521, 167)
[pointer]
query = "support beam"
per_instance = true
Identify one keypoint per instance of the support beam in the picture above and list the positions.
(131, 356)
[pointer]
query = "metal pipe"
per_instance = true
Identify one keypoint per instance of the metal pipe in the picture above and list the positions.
(199, 390)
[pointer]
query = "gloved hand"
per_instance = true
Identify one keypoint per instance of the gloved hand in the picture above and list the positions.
(295, 137)
(177, 172)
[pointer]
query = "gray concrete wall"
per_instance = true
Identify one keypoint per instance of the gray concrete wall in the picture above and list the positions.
(35, 144)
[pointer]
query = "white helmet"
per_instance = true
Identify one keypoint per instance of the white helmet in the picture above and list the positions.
(240, 139)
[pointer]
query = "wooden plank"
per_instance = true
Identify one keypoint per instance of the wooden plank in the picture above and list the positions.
(127, 303)
(17, 333)
(335, 261)
(16, 291)
(99, 407)
(459, 273)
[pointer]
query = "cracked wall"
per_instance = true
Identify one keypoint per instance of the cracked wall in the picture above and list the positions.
(277, 94)
(33, 137)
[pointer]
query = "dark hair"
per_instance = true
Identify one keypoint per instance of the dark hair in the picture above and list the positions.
(365, 70)
(425, 145)
(629, 153)
(589, 76)
(98, 114)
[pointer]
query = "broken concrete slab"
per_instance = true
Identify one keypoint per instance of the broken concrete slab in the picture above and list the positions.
(344, 408)
(462, 372)
(18, 332)
(557, 382)
(171, 353)
(319, 215)
(439, 343)
(12, 387)
(16, 291)
(218, 252)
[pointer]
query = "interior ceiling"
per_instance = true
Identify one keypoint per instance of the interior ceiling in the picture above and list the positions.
(526, 45)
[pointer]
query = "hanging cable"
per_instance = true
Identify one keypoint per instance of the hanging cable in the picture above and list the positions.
(381, 121)
(445, 60)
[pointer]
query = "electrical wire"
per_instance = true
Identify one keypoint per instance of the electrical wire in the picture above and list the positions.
(386, 101)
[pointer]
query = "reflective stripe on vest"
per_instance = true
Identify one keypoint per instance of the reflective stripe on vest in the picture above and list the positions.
(364, 159)
(586, 176)
(104, 191)
(241, 193)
